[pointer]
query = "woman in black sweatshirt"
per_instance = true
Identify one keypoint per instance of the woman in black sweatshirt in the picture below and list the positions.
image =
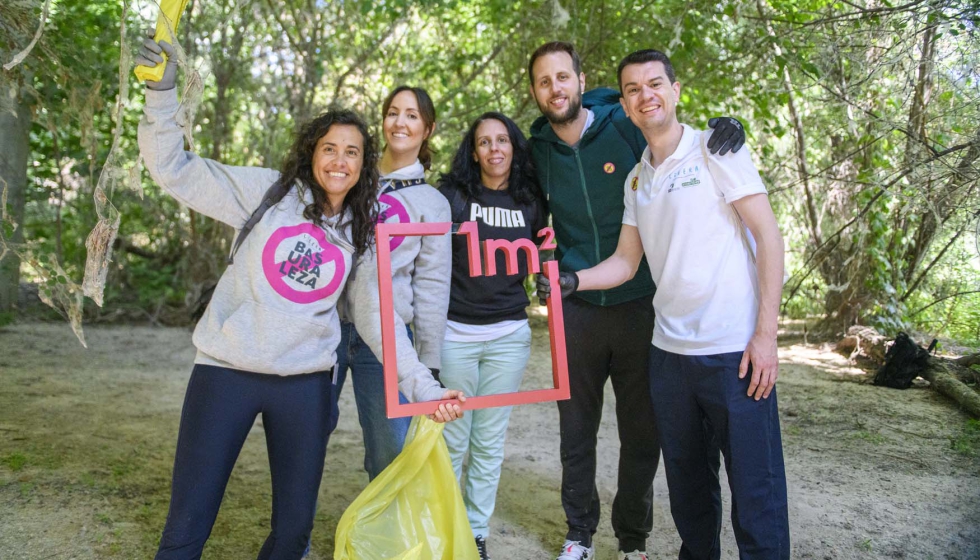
(488, 340)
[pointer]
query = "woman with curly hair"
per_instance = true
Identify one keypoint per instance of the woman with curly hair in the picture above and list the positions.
(488, 340)
(267, 341)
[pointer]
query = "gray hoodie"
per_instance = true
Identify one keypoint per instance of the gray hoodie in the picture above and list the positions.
(421, 268)
(275, 309)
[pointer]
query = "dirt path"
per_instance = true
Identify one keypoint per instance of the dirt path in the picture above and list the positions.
(87, 438)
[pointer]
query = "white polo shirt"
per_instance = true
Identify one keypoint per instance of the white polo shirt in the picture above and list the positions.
(707, 295)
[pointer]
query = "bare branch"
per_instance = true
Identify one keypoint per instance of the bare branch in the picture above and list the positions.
(942, 299)
(478, 70)
(823, 249)
(925, 272)
(364, 56)
(37, 37)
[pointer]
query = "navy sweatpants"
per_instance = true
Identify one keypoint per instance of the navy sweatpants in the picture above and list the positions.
(701, 405)
(219, 409)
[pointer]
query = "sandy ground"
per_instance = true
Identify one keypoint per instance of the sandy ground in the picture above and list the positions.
(87, 440)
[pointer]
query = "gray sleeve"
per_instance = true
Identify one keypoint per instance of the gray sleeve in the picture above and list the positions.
(415, 381)
(226, 193)
(430, 288)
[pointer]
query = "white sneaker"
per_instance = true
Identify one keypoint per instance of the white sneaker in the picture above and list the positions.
(573, 550)
(636, 555)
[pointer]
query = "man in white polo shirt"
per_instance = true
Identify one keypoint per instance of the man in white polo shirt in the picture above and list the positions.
(713, 362)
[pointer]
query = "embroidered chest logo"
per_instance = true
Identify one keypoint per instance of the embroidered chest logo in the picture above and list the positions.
(301, 265)
(684, 178)
(635, 183)
(609, 168)
(392, 211)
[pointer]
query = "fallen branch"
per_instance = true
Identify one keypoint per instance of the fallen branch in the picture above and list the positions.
(906, 360)
(941, 375)
(968, 360)
(863, 342)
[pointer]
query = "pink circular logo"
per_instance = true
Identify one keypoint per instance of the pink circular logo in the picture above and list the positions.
(301, 265)
(393, 212)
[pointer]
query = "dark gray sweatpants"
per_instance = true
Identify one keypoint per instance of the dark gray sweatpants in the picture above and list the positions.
(608, 343)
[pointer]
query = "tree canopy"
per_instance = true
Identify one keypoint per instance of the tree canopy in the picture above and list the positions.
(862, 117)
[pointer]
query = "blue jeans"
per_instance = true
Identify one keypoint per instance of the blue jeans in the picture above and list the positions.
(482, 368)
(219, 410)
(700, 404)
(383, 437)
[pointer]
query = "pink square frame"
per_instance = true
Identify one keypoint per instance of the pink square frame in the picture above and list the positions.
(556, 327)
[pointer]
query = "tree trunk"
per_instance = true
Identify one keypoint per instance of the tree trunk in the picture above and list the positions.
(942, 375)
(14, 151)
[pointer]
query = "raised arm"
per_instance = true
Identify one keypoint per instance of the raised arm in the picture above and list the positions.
(226, 193)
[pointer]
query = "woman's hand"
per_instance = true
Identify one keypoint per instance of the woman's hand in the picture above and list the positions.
(447, 412)
(149, 56)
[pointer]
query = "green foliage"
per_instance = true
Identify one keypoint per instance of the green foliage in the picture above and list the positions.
(872, 437)
(7, 318)
(877, 223)
(967, 443)
(15, 461)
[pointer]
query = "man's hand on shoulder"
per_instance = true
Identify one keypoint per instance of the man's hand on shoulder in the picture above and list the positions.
(728, 134)
(762, 355)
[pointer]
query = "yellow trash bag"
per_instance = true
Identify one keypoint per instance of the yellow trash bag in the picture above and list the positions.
(413, 510)
(170, 12)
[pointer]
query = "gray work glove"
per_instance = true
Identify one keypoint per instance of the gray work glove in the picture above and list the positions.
(567, 282)
(149, 55)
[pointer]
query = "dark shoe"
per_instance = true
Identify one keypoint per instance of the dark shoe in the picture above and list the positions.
(481, 546)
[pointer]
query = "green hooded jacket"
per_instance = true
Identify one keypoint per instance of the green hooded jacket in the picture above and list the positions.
(584, 189)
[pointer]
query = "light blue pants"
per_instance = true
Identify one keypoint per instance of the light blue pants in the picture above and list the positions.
(482, 368)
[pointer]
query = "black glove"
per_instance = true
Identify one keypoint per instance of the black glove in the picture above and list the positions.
(149, 55)
(729, 134)
(567, 281)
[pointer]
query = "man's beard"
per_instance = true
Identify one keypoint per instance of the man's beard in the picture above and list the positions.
(571, 113)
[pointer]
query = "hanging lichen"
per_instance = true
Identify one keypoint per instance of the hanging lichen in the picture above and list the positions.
(55, 287)
(100, 239)
(99, 246)
(58, 291)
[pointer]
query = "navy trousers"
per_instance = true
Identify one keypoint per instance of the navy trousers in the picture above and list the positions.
(219, 409)
(701, 405)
